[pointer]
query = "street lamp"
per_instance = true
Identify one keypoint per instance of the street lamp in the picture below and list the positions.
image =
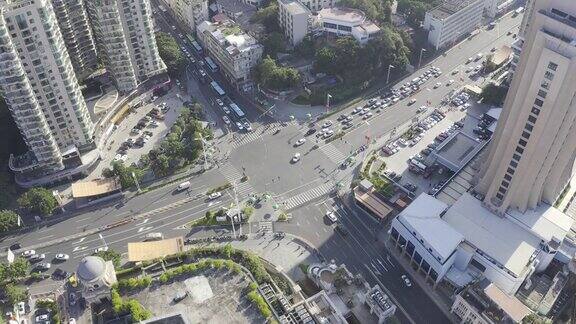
(420, 59)
(390, 66)
(328, 96)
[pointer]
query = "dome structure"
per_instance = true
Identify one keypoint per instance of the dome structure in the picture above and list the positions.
(91, 268)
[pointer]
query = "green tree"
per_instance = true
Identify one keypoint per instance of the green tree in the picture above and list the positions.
(38, 200)
(274, 43)
(17, 269)
(493, 94)
(8, 220)
(326, 60)
(111, 255)
(170, 53)
(414, 10)
(15, 293)
(305, 48)
(268, 16)
(275, 77)
(124, 173)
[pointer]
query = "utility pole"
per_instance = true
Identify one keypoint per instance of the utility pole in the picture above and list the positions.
(390, 66)
(237, 208)
(328, 96)
(136, 181)
(204, 151)
(420, 59)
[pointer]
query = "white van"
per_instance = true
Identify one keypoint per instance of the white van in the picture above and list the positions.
(183, 186)
(154, 236)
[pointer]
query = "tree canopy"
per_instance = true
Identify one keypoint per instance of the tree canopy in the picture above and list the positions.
(268, 16)
(275, 77)
(8, 220)
(493, 94)
(357, 63)
(170, 53)
(125, 174)
(111, 255)
(38, 200)
(274, 43)
(375, 10)
(415, 10)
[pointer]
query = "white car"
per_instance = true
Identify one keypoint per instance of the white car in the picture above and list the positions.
(357, 110)
(362, 112)
(22, 308)
(331, 216)
(101, 249)
(406, 280)
(215, 195)
(368, 115)
(327, 124)
(296, 158)
(421, 109)
(37, 257)
(226, 120)
(28, 253)
(412, 101)
(438, 84)
(328, 133)
(226, 110)
(62, 257)
(300, 141)
(219, 102)
(470, 59)
(450, 82)
(239, 125)
(41, 318)
(247, 126)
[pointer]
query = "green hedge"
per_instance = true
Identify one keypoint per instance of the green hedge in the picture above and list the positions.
(132, 306)
(219, 188)
(134, 283)
(197, 267)
(258, 301)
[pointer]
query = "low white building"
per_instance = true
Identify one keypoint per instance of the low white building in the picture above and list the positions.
(188, 13)
(453, 19)
(466, 242)
(293, 18)
(347, 22)
(234, 51)
(493, 8)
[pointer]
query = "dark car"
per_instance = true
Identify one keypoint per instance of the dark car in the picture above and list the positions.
(179, 297)
(15, 246)
(310, 132)
(60, 274)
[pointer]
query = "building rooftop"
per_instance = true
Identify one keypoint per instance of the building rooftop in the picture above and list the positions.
(544, 221)
(449, 7)
(144, 251)
(90, 268)
(230, 36)
(423, 215)
(509, 304)
(457, 151)
(95, 187)
(294, 7)
(345, 15)
(498, 237)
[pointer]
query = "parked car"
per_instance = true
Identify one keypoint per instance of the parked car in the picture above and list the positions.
(215, 195)
(226, 120)
(300, 142)
(42, 266)
(179, 297)
(407, 281)
(28, 253)
(37, 257)
(331, 216)
(296, 158)
(101, 249)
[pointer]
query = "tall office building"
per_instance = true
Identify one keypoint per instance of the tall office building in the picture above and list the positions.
(39, 85)
(75, 28)
(532, 154)
(125, 38)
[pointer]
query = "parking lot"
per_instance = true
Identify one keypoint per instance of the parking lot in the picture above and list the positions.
(408, 160)
(142, 129)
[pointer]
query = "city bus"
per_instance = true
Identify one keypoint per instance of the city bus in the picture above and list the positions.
(196, 46)
(217, 88)
(237, 111)
(213, 67)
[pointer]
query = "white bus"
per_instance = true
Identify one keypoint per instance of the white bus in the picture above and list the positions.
(237, 111)
(217, 88)
(213, 67)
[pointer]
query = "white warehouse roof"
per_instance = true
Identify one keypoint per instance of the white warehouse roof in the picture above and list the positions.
(423, 216)
(498, 237)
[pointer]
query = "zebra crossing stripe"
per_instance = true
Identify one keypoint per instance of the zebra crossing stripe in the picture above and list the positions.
(333, 153)
(307, 196)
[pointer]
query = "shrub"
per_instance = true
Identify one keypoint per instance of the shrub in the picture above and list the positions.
(134, 283)
(260, 303)
(52, 306)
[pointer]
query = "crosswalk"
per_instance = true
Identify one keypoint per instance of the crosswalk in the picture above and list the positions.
(333, 153)
(243, 189)
(307, 196)
(255, 134)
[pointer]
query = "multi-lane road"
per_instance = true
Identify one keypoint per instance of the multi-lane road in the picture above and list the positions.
(264, 156)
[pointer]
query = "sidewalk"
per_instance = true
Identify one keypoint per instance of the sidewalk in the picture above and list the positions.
(285, 109)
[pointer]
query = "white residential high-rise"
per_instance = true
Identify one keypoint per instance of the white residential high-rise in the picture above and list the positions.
(125, 38)
(40, 87)
(75, 28)
(533, 151)
(293, 18)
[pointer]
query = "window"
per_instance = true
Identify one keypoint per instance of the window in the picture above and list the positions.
(499, 196)
(542, 93)
(507, 177)
(505, 184)
(502, 190)
(535, 111)
(528, 127)
(545, 85)
(516, 157)
(513, 164)
(522, 142)
(532, 119)
(549, 75)
(552, 66)
(538, 102)
(526, 135)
